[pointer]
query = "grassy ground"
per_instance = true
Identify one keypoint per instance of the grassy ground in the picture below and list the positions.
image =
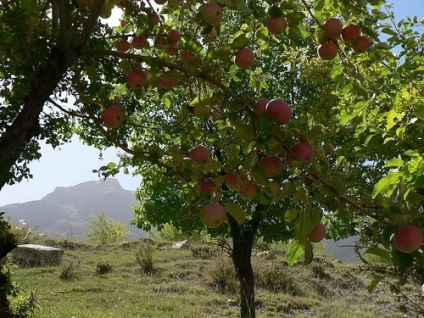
(182, 285)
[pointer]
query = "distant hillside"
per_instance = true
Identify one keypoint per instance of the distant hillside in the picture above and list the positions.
(70, 209)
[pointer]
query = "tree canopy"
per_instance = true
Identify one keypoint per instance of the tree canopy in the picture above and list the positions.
(312, 126)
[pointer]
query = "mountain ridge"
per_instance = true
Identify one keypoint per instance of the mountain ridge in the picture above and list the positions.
(69, 210)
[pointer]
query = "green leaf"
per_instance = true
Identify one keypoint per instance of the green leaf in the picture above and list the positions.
(309, 253)
(236, 212)
(396, 162)
(295, 253)
(378, 252)
(373, 283)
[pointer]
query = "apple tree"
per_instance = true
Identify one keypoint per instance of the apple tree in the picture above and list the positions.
(265, 118)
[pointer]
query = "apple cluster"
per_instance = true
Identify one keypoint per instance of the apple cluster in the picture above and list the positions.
(350, 34)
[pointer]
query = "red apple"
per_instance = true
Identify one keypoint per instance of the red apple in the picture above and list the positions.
(139, 42)
(186, 56)
(244, 58)
(231, 181)
(327, 51)
(171, 49)
(271, 166)
(167, 79)
(260, 106)
(160, 1)
(160, 42)
(113, 117)
(361, 45)
(200, 155)
(123, 46)
(174, 3)
(350, 33)
(279, 110)
(408, 239)
(317, 234)
(212, 13)
(249, 191)
(302, 151)
(174, 36)
(153, 18)
(213, 215)
(207, 186)
(332, 28)
(276, 25)
(136, 79)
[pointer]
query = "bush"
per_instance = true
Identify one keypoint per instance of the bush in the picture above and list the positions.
(68, 271)
(204, 251)
(106, 231)
(171, 233)
(103, 268)
(25, 234)
(25, 307)
(274, 279)
(144, 257)
(222, 275)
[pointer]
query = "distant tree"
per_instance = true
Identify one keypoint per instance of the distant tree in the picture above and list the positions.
(107, 231)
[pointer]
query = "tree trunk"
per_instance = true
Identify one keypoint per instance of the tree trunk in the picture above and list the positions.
(243, 237)
(7, 244)
(26, 124)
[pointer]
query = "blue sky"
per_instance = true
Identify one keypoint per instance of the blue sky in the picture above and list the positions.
(73, 163)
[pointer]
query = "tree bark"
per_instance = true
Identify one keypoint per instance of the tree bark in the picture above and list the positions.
(243, 237)
(26, 124)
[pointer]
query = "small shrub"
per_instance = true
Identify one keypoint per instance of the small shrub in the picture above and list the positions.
(319, 272)
(103, 268)
(68, 272)
(274, 279)
(25, 307)
(204, 251)
(222, 275)
(144, 257)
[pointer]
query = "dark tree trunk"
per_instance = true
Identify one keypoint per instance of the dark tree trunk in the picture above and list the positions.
(26, 124)
(7, 244)
(243, 237)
